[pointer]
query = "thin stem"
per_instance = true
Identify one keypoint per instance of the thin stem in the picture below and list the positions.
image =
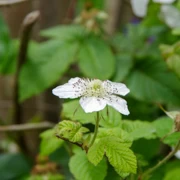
(171, 154)
(65, 139)
(26, 127)
(96, 129)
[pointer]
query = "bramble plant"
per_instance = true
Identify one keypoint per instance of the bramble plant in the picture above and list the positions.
(100, 134)
(95, 94)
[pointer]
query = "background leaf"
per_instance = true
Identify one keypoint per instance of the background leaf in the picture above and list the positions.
(86, 170)
(64, 32)
(8, 50)
(172, 139)
(49, 142)
(123, 66)
(163, 126)
(41, 72)
(153, 83)
(96, 59)
(172, 170)
(139, 129)
(13, 166)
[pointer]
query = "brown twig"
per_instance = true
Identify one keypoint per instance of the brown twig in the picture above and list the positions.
(26, 127)
(25, 32)
(10, 2)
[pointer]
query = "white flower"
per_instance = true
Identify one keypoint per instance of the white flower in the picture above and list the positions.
(95, 94)
(177, 154)
(164, 1)
(170, 15)
(139, 7)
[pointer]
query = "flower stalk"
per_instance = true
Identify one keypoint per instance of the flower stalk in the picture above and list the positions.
(96, 129)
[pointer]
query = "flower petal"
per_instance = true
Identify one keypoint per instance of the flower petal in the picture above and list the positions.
(164, 1)
(170, 15)
(74, 80)
(72, 89)
(177, 154)
(139, 7)
(91, 104)
(118, 103)
(116, 88)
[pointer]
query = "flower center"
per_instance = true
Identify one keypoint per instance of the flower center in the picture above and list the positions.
(95, 88)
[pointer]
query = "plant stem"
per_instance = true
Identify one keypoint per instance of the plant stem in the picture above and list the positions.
(160, 163)
(96, 129)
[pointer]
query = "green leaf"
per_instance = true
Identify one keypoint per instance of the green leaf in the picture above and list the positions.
(42, 71)
(8, 57)
(13, 166)
(73, 131)
(172, 170)
(82, 169)
(96, 59)
(172, 139)
(64, 32)
(173, 174)
(152, 82)
(121, 135)
(176, 31)
(139, 129)
(163, 126)
(96, 152)
(119, 155)
(8, 50)
(123, 67)
(49, 142)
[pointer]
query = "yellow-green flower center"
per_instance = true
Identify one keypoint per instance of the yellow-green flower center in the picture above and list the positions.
(95, 88)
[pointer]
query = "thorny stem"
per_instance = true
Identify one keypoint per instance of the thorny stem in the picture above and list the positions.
(96, 129)
(160, 163)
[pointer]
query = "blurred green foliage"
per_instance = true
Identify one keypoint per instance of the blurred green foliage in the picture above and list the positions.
(145, 56)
